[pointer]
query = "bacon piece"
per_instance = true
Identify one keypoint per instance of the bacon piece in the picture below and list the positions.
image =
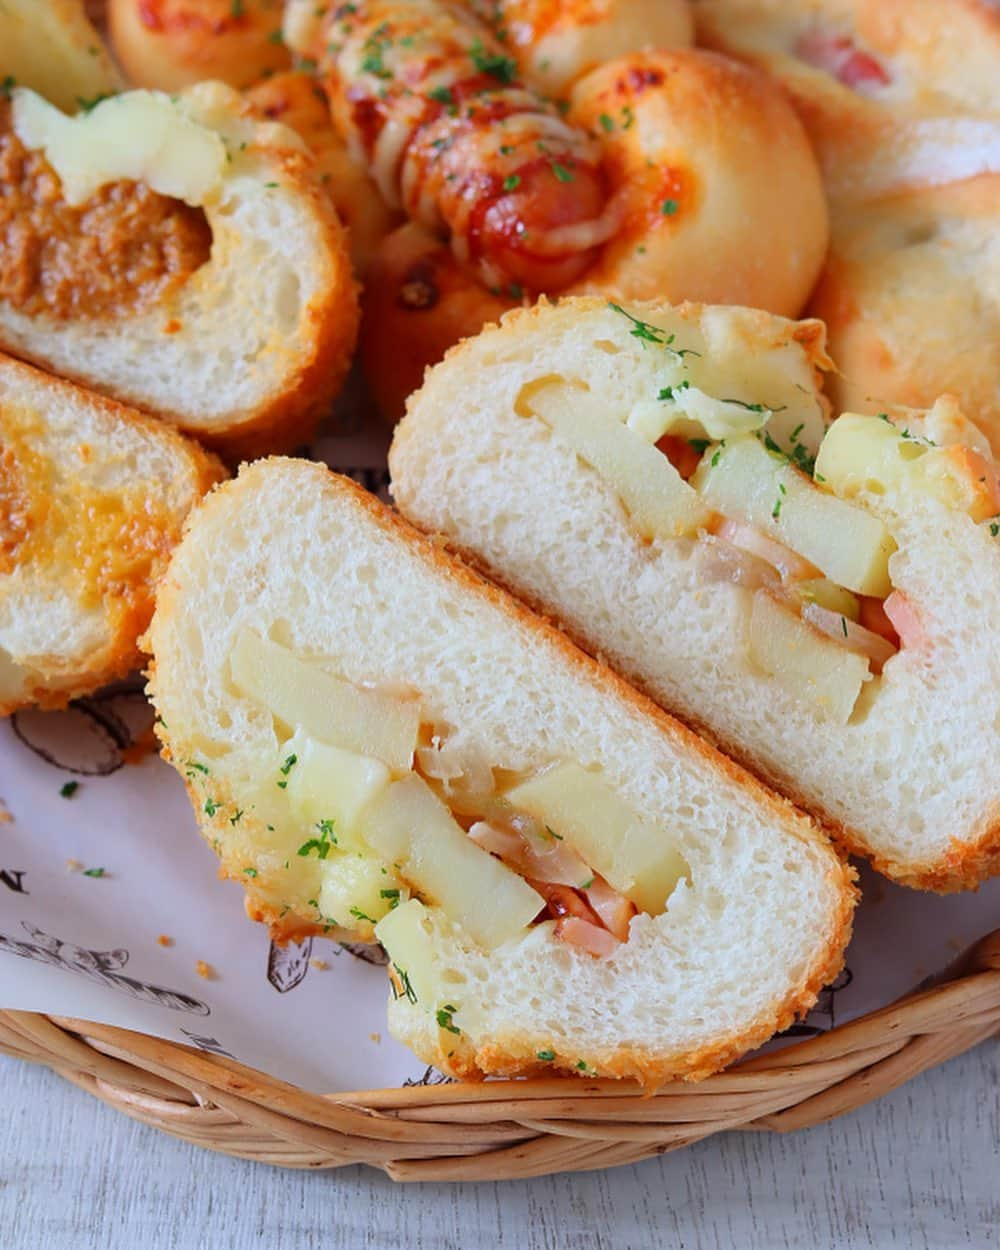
(614, 910)
(840, 56)
(429, 98)
(905, 620)
(587, 936)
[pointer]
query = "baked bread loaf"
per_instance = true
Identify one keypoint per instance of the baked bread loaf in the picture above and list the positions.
(177, 255)
(94, 498)
(911, 298)
(564, 878)
(835, 633)
(52, 48)
(170, 44)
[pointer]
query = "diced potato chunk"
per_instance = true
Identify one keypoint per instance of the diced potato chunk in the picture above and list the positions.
(849, 545)
(356, 889)
(635, 856)
(303, 695)
(404, 935)
(410, 827)
(813, 667)
(871, 454)
(328, 784)
(828, 595)
(659, 502)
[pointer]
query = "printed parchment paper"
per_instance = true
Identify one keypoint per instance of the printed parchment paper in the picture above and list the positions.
(110, 903)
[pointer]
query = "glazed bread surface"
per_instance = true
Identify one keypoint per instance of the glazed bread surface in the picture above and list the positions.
(309, 561)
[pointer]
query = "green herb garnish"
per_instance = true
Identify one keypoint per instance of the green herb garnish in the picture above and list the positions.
(94, 872)
(502, 68)
(68, 789)
(444, 1018)
(545, 1055)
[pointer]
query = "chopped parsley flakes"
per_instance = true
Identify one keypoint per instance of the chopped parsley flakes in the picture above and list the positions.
(68, 789)
(546, 1056)
(502, 68)
(444, 1018)
(94, 872)
(320, 845)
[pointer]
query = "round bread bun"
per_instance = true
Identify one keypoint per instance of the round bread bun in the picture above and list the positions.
(866, 73)
(247, 349)
(911, 297)
(417, 302)
(555, 42)
(169, 44)
(720, 192)
(297, 100)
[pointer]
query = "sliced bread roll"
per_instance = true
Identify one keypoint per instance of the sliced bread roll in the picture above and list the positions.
(837, 634)
(94, 496)
(563, 876)
(174, 253)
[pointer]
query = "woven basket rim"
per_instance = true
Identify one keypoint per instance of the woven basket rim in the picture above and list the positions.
(505, 1129)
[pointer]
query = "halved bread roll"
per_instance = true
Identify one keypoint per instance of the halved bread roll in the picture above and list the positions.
(52, 48)
(179, 256)
(94, 496)
(837, 634)
(361, 721)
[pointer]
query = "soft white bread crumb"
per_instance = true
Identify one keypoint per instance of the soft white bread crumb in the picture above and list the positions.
(249, 350)
(94, 497)
(913, 780)
(293, 552)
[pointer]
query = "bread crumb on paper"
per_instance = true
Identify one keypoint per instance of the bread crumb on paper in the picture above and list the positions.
(206, 971)
(73, 865)
(164, 940)
(319, 964)
(375, 1037)
(6, 815)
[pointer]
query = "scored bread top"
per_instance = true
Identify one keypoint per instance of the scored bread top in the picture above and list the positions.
(248, 348)
(94, 498)
(912, 780)
(294, 553)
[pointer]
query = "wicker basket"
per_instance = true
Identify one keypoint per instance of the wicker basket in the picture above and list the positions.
(501, 1130)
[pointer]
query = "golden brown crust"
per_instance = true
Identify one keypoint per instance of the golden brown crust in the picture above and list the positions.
(65, 680)
(906, 297)
(417, 303)
(170, 44)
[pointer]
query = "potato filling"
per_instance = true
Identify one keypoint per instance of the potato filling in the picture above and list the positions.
(823, 617)
(394, 810)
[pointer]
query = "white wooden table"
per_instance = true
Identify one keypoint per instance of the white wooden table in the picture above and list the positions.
(918, 1171)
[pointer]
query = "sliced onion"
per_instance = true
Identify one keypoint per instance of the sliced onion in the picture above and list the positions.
(905, 620)
(725, 563)
(614, 910)
(587, 936)
(556, 866)
(789, 563)
(852, 636)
